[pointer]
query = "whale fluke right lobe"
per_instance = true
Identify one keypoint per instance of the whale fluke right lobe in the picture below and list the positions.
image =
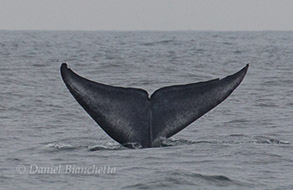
(175, 107)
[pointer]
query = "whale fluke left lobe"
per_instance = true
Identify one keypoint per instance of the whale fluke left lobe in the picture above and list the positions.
(121, 112)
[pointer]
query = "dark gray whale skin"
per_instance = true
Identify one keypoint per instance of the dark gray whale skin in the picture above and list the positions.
(129, 115)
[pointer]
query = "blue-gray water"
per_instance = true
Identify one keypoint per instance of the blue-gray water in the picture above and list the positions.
(244, 143)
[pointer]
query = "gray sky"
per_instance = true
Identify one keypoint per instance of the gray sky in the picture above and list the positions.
(146, 14)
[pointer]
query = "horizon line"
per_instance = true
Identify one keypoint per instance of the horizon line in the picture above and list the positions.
(148, 30)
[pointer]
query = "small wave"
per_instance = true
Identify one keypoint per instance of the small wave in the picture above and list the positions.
(13, 159)
(175, 142)
(60, 146)
(259, 140)
(237, 135)
(278, 82)
(268, 140)
(272, 141)
(187, 174)
(106, 147)
(199, 50)
(228, 43)
(266, 105)
(214, 177)
(163, 42)
(237, 52)
(39, 65)
(221, 180)
(178, 142)
(171, 179)
(166, 143)
(163, 143)
(238, 121)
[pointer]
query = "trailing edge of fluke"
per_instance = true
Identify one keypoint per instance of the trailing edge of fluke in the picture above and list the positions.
(130, 115)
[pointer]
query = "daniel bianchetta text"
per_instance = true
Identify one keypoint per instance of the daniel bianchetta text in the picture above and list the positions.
(65, 169)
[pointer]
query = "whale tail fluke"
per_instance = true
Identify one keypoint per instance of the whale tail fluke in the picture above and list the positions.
(130, 115)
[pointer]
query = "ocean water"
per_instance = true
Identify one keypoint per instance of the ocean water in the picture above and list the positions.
(47, 141)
